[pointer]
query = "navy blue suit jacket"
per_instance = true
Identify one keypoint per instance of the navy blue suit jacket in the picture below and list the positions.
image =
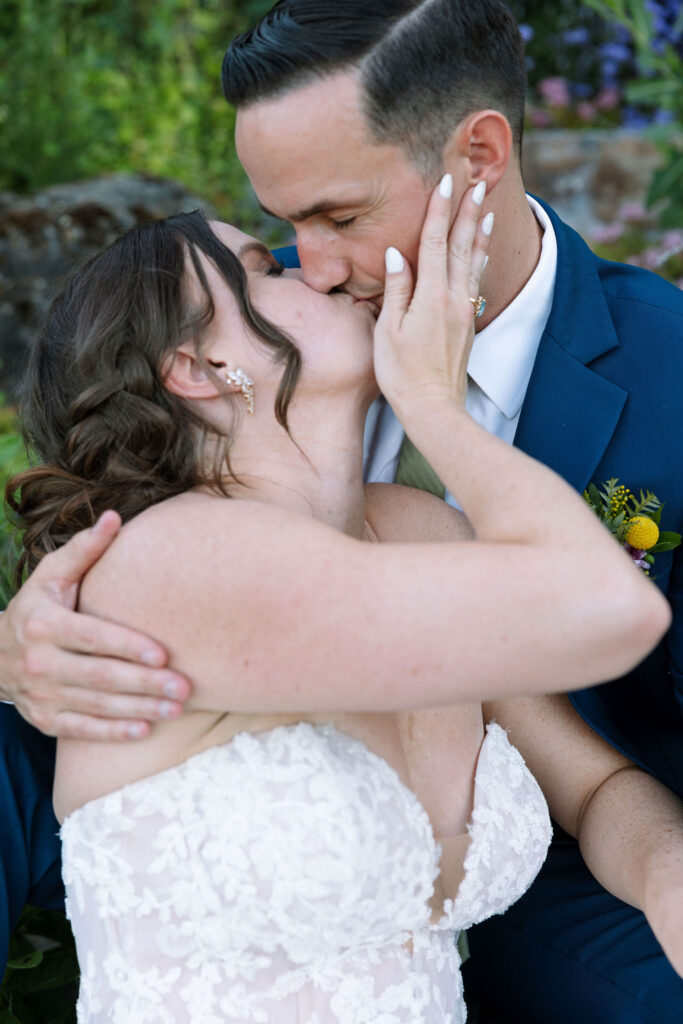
(605, 400)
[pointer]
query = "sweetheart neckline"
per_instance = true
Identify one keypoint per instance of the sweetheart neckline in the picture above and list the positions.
(239, 736)
(492, 732)
(121, 791)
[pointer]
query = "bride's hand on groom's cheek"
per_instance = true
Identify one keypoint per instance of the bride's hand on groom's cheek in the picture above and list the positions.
(73, 675)
(424, 334)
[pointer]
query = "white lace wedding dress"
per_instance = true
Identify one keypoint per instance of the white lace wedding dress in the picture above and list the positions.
(284, 878)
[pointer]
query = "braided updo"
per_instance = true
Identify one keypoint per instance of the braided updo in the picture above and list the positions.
(94, 409)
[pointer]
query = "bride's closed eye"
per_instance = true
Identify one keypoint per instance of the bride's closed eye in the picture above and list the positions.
(275, 269)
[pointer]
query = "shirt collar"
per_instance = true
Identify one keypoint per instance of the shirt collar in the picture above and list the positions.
(503, 353)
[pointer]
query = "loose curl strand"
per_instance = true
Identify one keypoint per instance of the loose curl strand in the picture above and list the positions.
(94, 409)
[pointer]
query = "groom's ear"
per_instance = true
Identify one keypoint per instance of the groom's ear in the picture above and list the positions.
(484, 141)
(187, 377)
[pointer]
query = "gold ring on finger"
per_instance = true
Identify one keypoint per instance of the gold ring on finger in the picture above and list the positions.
(479, 305)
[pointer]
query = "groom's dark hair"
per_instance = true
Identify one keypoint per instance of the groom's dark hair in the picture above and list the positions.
(424, 64)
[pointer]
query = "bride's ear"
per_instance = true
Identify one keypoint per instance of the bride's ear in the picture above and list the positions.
(186, 377)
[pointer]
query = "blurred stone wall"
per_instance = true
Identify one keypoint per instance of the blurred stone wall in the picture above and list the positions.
(587, 176)
(44, 236)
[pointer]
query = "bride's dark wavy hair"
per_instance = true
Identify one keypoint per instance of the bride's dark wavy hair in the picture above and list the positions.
(93, 407)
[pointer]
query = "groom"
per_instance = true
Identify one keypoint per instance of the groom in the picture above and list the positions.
(349, 111)
(347, 115)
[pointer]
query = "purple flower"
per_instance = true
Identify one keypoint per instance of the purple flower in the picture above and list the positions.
(634, 118)
(586, 111)
(616, 52)
(638, 557)
(622, 35)
(632, 213)
(610, 70)
(659, 18)
(653, 257)
(606, 233)
(527, 33)
(540, 118)
(608, 98)
(673, 240)
(576, 37)
(555, 91)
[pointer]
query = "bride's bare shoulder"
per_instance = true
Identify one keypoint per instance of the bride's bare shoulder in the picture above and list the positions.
(191, 529)
(188, 517)
(405, 514)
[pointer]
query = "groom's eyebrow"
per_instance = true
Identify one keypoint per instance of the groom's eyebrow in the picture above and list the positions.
(324, 206)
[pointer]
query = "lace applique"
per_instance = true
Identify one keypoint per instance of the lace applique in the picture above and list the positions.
(510, 832)
(286, 877)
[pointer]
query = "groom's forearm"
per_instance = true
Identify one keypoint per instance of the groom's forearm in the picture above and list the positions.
(631, 837)
(630, 831)
(629, 825)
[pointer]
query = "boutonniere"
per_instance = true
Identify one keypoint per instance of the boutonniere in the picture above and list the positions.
(633, 521)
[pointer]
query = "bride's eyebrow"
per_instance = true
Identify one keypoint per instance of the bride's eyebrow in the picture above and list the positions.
(257, 247)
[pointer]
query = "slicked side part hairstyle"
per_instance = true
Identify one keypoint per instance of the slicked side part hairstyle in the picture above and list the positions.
(94, 408)
(424, 64)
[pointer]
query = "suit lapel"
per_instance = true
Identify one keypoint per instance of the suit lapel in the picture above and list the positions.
(570, 412)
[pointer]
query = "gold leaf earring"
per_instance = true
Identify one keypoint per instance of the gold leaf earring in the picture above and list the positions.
(239, 379)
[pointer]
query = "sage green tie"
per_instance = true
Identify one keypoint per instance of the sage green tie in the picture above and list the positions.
(414, 471)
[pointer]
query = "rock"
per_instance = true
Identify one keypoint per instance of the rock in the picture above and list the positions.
(43, 236)
(587, 176)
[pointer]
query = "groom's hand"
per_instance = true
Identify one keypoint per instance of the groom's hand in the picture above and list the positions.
(74, 675)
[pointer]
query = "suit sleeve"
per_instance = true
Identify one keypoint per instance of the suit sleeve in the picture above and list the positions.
(674, 639)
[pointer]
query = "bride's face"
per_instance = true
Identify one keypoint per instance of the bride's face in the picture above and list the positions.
(333, 332)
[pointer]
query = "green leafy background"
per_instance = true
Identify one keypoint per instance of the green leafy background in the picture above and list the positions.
(94, 86)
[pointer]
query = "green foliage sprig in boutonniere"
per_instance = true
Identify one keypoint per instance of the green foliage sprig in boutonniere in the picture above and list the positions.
(633, 521)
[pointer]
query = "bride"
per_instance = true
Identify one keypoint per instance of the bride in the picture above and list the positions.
(305, 843)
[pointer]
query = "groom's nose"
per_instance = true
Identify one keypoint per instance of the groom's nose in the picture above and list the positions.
(323, 268)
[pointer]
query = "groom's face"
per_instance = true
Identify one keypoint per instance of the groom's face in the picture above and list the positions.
(311, 162)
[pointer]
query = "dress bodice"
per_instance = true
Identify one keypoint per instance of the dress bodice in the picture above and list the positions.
(286, 877)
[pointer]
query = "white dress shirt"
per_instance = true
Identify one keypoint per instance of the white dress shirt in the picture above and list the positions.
(499, 369)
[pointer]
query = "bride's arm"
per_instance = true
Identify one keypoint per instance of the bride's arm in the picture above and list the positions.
(422, 346)
(629, 826)
(271, 611)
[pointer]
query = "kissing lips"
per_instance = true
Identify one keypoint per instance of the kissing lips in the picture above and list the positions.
(374, 301)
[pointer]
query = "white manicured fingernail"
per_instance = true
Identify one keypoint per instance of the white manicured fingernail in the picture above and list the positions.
(487, 224)
(151, 658)
(479, 193)
(172, 689)
(446, 186)
(486, 261)
(394, 261)
(169, 710)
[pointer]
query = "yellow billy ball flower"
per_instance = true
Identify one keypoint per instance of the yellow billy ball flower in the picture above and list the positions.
(642, 533)
(619, 499)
